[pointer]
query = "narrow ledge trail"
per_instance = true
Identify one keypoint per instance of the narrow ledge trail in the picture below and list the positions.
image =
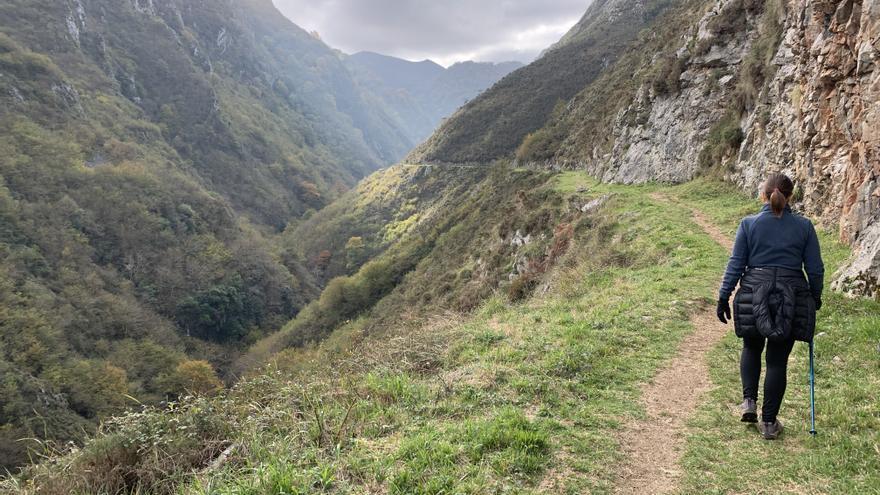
(653, 446)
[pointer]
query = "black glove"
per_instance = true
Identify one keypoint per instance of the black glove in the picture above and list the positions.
(723, 310)
(818, 300)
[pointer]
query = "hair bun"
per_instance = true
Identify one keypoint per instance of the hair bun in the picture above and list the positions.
(777, 190)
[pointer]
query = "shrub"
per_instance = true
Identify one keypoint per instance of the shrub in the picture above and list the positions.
(723, 141)
(522, 286)
(145, 452)
(756, 68)
(667, 77)
(95, 388)
(536, 146)
(195, 377)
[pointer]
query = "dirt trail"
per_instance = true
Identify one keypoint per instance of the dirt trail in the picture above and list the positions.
(653, 446)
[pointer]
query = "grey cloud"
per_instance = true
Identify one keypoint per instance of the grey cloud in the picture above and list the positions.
(441, 30)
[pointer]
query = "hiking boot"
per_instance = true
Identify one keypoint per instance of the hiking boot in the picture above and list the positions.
(771, 431)
(750, 411)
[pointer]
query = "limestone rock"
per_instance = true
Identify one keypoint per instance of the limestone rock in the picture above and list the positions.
(594, 204)
(817, 119)
(659, 138)
(520, 240)
(860, 277)
(823, 125)
(144, 6)
(76, 19)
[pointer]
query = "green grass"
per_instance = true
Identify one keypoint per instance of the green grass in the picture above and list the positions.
(526, 395)
(726, 457)
(526, 398)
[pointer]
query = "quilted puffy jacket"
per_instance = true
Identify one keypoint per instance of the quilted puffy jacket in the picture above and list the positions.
(776, 304)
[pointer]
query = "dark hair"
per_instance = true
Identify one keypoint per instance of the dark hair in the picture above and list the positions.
(777, 191)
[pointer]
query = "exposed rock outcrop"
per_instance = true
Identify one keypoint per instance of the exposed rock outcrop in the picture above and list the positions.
(144, 6)
(824, 125)
(816, 117)
(658, 137)
(76, 19)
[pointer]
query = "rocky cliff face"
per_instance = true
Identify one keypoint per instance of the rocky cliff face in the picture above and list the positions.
(659, 136)
(809, 106)
(824, 125)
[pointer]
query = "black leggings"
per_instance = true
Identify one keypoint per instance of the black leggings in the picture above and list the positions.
(777, 369)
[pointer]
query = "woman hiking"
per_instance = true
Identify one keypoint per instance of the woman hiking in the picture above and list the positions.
(775, 305)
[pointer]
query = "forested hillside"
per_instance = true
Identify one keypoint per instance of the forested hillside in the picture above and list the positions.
(412, 241)
(423, 93)
(149, 153)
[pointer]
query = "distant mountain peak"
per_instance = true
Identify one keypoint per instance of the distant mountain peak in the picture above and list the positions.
(366, 55)
(424, 93)
(369, 57)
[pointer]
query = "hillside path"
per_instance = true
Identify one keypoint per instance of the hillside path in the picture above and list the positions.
(653, 446)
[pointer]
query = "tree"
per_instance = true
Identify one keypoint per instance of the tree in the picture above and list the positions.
(195, 377)
(322, 261)
(93, 388)
(354, 252)
(219, 313)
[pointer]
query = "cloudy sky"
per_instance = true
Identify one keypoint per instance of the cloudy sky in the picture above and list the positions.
(445, 31)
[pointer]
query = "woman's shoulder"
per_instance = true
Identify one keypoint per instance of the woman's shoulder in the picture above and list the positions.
(749, 223)
(801, 218)
(746, 221)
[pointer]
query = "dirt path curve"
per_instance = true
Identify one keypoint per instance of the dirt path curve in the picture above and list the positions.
(653, 446)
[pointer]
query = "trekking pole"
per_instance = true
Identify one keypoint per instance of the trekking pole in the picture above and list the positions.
(812, 393)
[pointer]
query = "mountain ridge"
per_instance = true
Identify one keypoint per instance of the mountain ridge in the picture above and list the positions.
(493, 125)
(424, 93)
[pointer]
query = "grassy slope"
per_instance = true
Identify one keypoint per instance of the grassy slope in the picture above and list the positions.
(517, 398)
(432, 239)
(844, 457)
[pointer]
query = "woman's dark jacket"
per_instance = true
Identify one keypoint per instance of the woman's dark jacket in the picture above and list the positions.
(770, 254)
